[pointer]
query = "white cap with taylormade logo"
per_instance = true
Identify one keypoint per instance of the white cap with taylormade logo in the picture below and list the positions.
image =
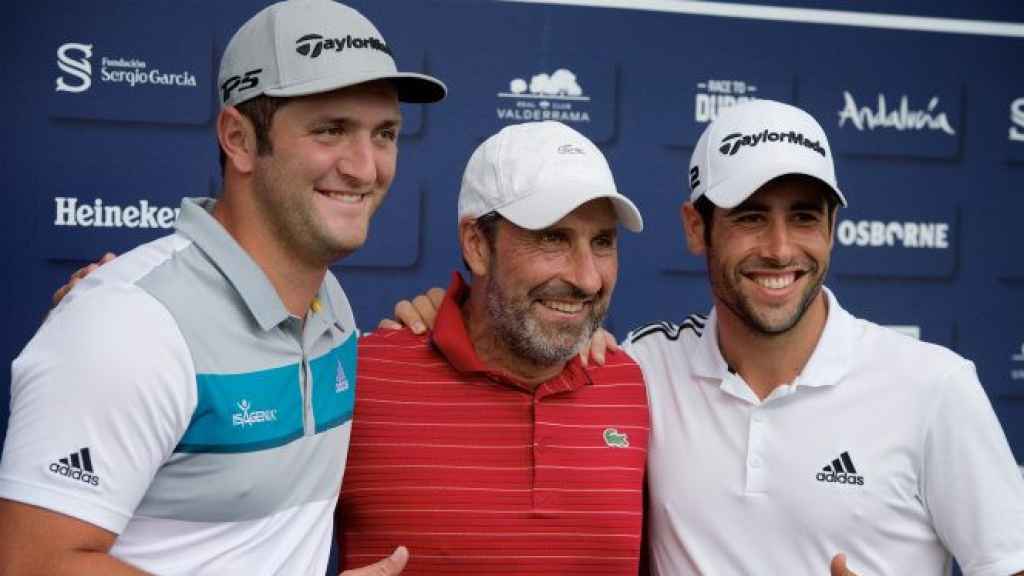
(752, 143)
(301, 47)
(536, 173)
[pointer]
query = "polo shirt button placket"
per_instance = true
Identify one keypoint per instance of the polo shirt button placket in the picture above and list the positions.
(756, 473)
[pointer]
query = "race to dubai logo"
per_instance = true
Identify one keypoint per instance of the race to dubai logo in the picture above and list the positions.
(901, 118)
(555, 96)
(713, 96)
(75, 62)
(1017, 120)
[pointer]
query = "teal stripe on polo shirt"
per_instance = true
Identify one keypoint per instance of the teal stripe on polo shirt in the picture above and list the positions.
(245, 412)
(334, 386)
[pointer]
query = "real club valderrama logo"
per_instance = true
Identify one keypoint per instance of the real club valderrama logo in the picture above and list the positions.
(556, 96)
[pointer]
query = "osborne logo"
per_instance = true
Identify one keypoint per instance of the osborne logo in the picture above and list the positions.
(876, 234)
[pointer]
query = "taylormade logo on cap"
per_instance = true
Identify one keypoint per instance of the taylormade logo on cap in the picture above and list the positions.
(754, 142)
(313, 45)
(732, 143)
(302, 47)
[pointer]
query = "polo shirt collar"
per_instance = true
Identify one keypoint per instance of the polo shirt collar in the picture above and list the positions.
(452, 339)
(827, 365)
(196, 222)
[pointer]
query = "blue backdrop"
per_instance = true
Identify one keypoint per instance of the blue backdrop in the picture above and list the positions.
(111, 104)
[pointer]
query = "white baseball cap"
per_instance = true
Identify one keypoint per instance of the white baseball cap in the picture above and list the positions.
(536, 173)
(301, 47)
(754, 142)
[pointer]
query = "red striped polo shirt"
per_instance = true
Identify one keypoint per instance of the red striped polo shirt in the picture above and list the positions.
(477, 473)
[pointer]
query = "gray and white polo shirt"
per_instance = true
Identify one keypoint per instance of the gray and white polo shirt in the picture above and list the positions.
(171, 399)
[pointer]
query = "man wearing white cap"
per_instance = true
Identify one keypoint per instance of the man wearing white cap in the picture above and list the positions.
(487, 447)
(784, 429)
(187, 409)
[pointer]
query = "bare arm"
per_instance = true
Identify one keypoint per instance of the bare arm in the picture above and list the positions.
(38, 541)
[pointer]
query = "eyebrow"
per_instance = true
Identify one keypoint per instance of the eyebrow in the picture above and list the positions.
(798, 206)
(335, 120)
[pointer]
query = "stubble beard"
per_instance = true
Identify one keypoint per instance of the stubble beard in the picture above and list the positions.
(726, 292)
(293, 218)
(529, 339)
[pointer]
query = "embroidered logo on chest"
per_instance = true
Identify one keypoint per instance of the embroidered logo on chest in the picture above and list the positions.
(340, 381)
(613, 438)
(840, 471)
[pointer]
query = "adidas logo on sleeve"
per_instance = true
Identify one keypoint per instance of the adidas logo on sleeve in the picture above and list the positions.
(77, 466)
(840, 471)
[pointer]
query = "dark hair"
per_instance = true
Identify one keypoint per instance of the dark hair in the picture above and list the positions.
(488, 226)
(260, 111)
(706, 208)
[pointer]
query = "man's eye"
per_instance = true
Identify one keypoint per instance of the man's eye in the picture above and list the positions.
(604, 242)
(389, 134)
(551, 237)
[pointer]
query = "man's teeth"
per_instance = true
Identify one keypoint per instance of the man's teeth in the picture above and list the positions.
(775, 282)
(344, 197)
(567, 307)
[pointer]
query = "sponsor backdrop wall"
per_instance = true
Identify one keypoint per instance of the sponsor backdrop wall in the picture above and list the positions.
(110, 108)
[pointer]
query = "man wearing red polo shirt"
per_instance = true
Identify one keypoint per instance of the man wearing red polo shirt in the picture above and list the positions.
(486, 447)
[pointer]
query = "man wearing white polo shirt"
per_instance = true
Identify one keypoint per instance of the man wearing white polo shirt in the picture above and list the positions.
(784, 429)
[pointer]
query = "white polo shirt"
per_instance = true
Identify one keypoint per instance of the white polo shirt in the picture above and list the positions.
(884, 448)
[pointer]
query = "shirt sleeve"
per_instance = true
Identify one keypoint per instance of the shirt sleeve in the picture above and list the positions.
(972, 487)
(99, 399)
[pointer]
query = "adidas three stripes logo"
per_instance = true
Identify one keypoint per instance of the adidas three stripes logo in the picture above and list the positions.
(77, 466)
(840, 471)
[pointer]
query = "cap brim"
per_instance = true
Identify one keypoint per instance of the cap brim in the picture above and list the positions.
(411, 87)
(732, 192)
(526, 213)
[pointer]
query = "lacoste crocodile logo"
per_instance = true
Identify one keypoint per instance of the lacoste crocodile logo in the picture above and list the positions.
(613, 438)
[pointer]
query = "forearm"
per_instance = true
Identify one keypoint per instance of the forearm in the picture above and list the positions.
(72, 562)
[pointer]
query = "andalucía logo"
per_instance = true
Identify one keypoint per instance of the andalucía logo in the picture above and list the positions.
(901, 118)
(557, 96)
(75, 60)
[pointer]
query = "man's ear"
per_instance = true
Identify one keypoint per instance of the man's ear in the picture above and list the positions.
(693, 226)
(237, 139)
(476, 251)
